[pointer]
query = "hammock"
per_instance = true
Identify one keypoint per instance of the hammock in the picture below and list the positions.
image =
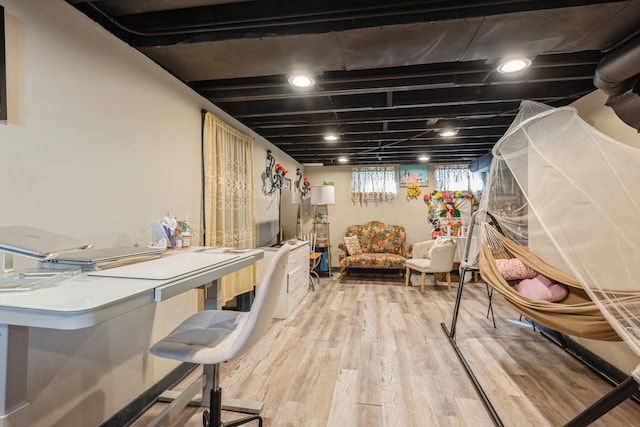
(573, 195)
(576, 315)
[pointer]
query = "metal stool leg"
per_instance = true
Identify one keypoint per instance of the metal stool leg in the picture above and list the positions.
(313, 274)
(490, 307)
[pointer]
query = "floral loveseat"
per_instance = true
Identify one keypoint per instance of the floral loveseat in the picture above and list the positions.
(374, 245)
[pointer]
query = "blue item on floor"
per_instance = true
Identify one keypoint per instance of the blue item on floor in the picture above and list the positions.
(324, 262)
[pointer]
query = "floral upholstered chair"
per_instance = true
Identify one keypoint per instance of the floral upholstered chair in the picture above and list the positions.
(374, 245)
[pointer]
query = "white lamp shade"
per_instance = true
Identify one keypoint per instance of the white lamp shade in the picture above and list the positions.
(323, 195)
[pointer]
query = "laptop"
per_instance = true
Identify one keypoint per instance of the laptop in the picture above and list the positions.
(33, 242)
(99, 259)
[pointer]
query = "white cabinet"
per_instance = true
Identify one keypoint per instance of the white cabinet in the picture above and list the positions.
(296, 282)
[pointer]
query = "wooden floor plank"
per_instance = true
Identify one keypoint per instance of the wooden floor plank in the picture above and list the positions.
(394, 406)
(371, 352)
(369, 376)
(422, 411)
(344, 409)
(369, 415)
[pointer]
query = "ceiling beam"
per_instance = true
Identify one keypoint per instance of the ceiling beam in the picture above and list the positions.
(291, 17)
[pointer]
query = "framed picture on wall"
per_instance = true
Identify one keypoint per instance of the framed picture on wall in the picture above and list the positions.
(286, 184)
(3, 71)
(418, 174)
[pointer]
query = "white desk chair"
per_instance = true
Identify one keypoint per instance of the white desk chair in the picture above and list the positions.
(213, 336)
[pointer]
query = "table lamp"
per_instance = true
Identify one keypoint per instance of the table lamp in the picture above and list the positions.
(323, 195)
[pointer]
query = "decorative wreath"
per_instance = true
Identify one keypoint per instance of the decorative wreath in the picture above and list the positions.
(413, 191)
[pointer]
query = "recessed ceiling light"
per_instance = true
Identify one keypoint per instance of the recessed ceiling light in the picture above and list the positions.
(448, 132)
(423, 158)
(343, 159)
(301, 80)
(331, 137)
(513, 65)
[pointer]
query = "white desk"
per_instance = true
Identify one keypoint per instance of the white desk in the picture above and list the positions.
(87, 300)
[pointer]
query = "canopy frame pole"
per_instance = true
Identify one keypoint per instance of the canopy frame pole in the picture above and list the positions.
(451, 334)
(619, 394)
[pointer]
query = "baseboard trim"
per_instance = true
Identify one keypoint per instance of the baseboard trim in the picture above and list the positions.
(127, 415)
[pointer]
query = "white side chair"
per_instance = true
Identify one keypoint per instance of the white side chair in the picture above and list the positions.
(213, 336)
(432, 256)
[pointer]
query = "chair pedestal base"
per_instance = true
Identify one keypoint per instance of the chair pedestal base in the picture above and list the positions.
(213, 418)
(192, 395)
(228, 403)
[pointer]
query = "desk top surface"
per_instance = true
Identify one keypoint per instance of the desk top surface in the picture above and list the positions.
(93, 292)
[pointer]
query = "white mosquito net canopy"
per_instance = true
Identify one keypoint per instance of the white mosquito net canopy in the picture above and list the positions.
(572, 195)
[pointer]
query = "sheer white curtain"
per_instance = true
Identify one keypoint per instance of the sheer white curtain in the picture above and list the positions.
(373, 184)
(228, 202)
(457, 177)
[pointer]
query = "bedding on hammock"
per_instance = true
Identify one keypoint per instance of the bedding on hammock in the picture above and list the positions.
(576, 315)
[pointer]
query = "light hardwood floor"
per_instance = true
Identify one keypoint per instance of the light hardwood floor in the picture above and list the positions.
(371, 352)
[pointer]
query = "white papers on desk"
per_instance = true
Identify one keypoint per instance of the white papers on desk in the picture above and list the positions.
(167, 267)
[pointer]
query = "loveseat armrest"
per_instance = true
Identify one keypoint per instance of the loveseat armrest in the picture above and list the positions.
(406, 250)
(343, 251)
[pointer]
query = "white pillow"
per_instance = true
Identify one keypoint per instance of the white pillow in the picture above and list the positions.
(443, 242)
(353, 245)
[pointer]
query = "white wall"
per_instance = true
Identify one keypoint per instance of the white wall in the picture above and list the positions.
(267, 205)
(411, 214)
(100, 142)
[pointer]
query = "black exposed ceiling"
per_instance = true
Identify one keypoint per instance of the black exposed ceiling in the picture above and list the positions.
(390, 74)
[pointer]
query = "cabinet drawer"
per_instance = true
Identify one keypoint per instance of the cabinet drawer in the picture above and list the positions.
(294, 301)
(296, 278)
(298, 293)
(298, 289)
(296, 282)
(298, 257)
